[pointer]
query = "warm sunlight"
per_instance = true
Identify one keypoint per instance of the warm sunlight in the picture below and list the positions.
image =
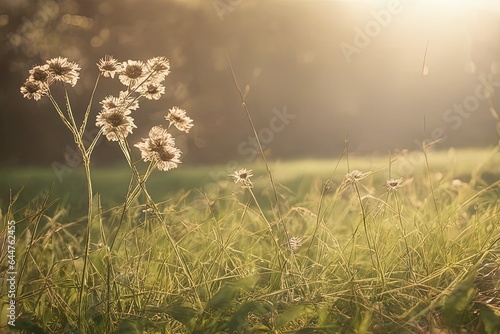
(242, 166)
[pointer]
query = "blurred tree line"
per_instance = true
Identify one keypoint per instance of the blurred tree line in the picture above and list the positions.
(286, 51)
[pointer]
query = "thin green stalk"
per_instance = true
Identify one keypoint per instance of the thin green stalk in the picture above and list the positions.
(261, 150)
(429, 177)
(86, 164)
(70, 113)
(91, 147)
(60, 113)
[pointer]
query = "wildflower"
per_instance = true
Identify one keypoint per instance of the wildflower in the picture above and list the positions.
(354, 176)
(159, 66)
(243, 176)
(63, 70)
(115, 124)
(394, 184)
(108, 66)
(40, 74)
(33, 90)
(159, 147)
(152, 91)
(131, 71)
(456, 183)
(294, 243)
(177, 117)
(111, 102)
(124, 102)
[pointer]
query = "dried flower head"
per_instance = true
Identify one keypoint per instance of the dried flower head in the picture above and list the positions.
(41, 74)
(123, 102)
(34, 90)
(159, 147)
(152, 91)
(177, 117)
(115, 124)
(243, 176)
(294, 243)
(159, 66)
(354, 176)
(131, 72)
(108, 66)
(394, 184)
(63, 70)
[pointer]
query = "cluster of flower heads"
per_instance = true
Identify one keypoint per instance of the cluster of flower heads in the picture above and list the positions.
(142, 79)
(42, 76)
(160, 147)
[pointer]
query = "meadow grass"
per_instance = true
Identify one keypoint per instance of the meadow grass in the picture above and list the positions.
(406, 243)
(364, 259)
(111, 181)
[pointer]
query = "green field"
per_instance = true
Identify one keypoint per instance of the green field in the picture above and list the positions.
(299, 175)
(321, 255)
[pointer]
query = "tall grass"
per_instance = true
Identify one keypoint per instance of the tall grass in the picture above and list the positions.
(433, 273)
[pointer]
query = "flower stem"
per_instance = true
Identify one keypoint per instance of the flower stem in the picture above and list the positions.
(86, 164)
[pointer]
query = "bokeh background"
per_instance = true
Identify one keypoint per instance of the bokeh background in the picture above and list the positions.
(418, 62)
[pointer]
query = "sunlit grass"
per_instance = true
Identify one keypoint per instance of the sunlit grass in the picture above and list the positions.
(421, 271)
(111, 182)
